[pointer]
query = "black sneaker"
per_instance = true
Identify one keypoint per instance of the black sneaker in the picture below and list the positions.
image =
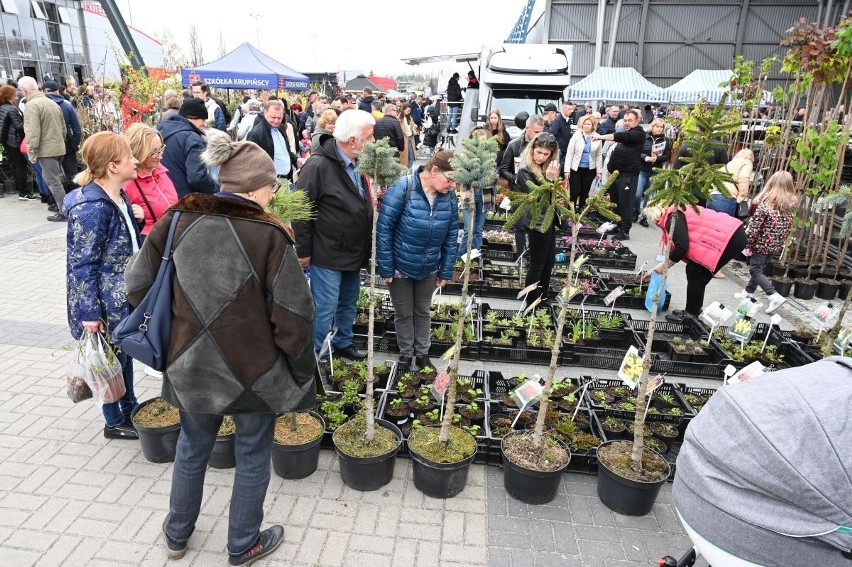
(404, 363)
(643, 221)
(423, 361)
(676, 316)
(57, 218)
(635, 216)
(620, 236)
(173, 549)
(29, 197)
(267, 542)
(122, 431)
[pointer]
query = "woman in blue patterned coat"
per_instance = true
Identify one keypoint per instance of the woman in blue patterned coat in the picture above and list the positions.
(416, 249)
(102, 236)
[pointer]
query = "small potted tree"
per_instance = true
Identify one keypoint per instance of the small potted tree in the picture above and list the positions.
(534, 461)
(441, 458)
(630, 474)
(367, 453)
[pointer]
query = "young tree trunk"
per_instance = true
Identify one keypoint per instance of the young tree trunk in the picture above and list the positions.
(368, 403)
(831, 336)
(470, 203)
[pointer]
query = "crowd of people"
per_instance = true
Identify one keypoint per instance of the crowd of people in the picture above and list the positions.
(221, 171)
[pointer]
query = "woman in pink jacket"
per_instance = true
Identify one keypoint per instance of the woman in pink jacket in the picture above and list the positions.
(152, 189)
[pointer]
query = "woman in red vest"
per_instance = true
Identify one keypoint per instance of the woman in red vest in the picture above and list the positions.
(706, 240)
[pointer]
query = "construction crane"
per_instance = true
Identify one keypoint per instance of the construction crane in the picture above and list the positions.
(121, 30)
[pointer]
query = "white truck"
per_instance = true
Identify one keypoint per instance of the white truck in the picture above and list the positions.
(517, 78)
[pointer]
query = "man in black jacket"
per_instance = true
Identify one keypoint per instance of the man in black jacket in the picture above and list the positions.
(508, 168)
(626, 159)
(269, 133)
(366, 100)
(389, 127)
(336, 244)
(561, 128)
(607, 125)
(454, 103)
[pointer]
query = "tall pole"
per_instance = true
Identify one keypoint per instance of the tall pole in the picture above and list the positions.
(613, 32)
(256, 27)
(599, 32)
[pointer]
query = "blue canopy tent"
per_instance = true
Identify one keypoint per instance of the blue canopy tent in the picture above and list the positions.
(616, 84)
(247, 68)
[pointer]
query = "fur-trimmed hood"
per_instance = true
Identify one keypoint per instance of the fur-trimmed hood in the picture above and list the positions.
(231, 205)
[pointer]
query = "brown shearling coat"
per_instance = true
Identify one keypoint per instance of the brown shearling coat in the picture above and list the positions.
(241, 308)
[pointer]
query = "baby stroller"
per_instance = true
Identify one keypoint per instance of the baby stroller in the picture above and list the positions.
(764, 476)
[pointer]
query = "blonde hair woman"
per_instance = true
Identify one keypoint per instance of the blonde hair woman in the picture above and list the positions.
(102, 236)
(583, 160)
(767, 231)
(655, 154)
(325, 125)
(152, 189)
(740, 168)
(539, 163)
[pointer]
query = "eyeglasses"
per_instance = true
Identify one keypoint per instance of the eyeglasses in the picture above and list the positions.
(157, 153)
(447, 177)
(277, 186)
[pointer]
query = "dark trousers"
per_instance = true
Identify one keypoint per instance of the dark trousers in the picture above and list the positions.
(580, 184)
(697, 276)
(411, 301)
(756, 264)
(542, 259)
(69, 166)
(19, 169)
(621, 193)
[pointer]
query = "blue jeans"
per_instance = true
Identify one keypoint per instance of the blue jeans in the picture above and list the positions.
(118, 412)
(42, 186)
(719, 202)
(252, 448)
(643, 183)
(453, 115)
(412, 150)
(335, 302)
(478, 223)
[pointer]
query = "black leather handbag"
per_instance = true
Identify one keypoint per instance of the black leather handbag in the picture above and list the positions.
(145, 333)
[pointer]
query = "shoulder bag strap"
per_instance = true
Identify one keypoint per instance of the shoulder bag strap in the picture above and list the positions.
(408, 188)
(168, 249)
(144, 198)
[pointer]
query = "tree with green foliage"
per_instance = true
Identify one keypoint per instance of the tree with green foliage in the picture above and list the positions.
(379, 162)
(840, 198)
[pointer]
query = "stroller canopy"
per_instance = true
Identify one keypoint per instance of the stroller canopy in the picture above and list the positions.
(775, 453)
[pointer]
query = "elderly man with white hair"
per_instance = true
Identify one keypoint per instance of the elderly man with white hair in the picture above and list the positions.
(336, 244)
(44, 128)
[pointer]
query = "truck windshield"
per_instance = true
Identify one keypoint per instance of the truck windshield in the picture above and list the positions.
(511, 102)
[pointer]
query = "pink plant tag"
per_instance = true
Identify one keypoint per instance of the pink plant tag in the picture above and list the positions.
(441, 383)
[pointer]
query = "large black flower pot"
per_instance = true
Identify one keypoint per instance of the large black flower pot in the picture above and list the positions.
(625, 496)
(440, 480)
(370, 473)
(298, 461)
(827, 288)
(222, 456)
(782, 285)
(843, 292)
(527, 485)
(804, 289)
(159, 445)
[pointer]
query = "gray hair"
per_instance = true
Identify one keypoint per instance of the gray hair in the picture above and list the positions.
(254, 105)
(535, 120)
(27, 83)
(376, 105)
(351, 124)
(274, 102)
(389, 107)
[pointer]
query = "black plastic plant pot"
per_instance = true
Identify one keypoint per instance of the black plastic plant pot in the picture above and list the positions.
(222, 455)
(370, 473)
(804, 289)
(298, 461)
(782, 286)
(439, 480)
(527, 485)
(159, 445)
(625, 496)
(843, 293)
(827, 289)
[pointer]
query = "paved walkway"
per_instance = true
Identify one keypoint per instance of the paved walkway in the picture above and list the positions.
(70, 497)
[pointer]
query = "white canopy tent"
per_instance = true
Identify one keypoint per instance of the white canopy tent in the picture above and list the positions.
(703, 84)
(617, 84)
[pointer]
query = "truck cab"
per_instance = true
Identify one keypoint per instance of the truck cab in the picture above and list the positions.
(517, 78)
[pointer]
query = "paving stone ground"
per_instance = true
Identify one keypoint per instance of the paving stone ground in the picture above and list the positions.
(69, 497)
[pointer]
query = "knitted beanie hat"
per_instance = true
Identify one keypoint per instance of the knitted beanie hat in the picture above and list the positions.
(243, 166)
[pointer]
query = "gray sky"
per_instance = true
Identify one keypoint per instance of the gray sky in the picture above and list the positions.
(330, 35)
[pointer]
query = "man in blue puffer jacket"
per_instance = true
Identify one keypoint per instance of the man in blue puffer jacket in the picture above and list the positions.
(416, 249)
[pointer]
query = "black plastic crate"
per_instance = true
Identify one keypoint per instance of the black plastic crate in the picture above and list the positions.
(683, 391)
(385, 343)
(794, 353)
(594, 357)
(629, 415)
(519, 353)
(499, 385)
(664, 332)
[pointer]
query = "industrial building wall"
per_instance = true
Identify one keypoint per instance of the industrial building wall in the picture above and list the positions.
(667, 39)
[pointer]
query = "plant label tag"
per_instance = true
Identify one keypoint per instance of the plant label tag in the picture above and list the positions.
(751, 371)
(506, 203)
(568, 293)
(605, 227)
(580, 261)
(743, 328)
(326, 344)
(655, 383)
(436, 293)
(526, 290)
(844, 337)
(641, 268)
(528, 392)
(631, 368)
(825, 313)
(748, 307)
(613, 295)
(715, 314)
(532, 306)
(449, 353)
(440, 385)
(468, 308)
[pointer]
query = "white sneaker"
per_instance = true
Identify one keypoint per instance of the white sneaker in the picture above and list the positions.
(775, 301)
(744, 295)
(153, 373)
